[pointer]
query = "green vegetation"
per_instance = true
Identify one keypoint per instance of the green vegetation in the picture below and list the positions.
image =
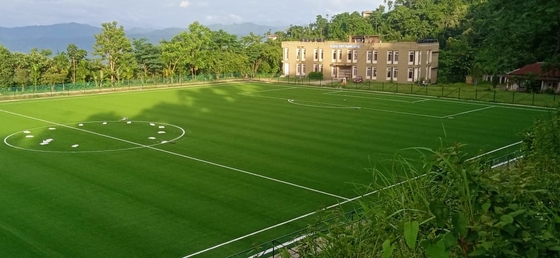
(253, 155)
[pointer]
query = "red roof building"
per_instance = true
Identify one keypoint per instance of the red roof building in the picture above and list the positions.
(549, 79)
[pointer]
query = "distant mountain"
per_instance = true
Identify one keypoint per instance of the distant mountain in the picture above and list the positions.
(57, 37)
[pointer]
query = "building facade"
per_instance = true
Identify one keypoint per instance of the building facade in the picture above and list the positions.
(366, 56)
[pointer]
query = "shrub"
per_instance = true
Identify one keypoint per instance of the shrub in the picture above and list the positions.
(316, 75)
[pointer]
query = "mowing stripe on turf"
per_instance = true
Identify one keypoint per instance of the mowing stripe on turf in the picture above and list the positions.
(181, 155)
(298, 218)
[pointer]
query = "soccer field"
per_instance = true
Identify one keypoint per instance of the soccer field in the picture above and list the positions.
(207, 171)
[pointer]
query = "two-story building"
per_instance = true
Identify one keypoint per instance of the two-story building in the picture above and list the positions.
(366, 56)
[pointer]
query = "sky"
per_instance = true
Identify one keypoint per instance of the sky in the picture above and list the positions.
(158, 14)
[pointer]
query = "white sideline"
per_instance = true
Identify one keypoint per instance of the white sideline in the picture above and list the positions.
(492, 151)
(507, 162)
(180, 155)
(298, 218)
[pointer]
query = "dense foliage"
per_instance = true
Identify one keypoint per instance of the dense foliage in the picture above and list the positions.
(476, 38)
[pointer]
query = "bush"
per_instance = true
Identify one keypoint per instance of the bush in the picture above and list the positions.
(316, 75)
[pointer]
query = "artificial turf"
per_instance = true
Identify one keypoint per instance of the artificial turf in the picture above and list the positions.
(252, 155)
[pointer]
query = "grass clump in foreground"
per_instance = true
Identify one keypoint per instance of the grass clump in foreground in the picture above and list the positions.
(450, 207)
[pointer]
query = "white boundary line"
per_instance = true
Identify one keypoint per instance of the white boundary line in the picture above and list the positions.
(298, 218)
(182, 156)
(507, 162)
(470, 111)
(492, 151)
(360, 97)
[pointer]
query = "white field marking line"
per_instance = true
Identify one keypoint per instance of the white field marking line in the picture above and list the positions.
(291, 88)
(422, 100)
(300, 217)
(403, 113)
(95, 151)
(492, 151)
(361, 97)
(280, 246)
(470, 111)
(507, 162)
(327, 105)
(182, 156)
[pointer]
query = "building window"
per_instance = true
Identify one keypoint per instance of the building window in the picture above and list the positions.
(302, 69)
(333, 71)
(333, 55)
(396, 59)
(339, 55)
(298, 69)
(430, 57)
(410, 57)
(286, 51)
(354, 71)
(303, 54)
(395, 73)
(368, 72)
(320, 54)
(355, 56)
(369, 56)
(375, 56)
(389, 72)
(320, 68)
(374, 72)
(410, 74)
(315, 54)
(389, 57)
(349, 56)
(298, 53)
(315, 68)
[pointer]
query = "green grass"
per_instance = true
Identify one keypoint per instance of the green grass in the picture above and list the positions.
(253, 155)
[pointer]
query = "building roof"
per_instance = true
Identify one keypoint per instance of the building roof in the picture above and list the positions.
(536, 69)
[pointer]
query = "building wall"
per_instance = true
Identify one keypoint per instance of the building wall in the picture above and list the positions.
(361, 63)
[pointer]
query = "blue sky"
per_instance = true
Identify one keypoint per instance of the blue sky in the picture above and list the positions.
(173, 13)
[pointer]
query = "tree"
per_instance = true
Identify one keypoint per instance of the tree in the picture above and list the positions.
(148, 57)
(113, 48)
(76, 55)
(6, 67)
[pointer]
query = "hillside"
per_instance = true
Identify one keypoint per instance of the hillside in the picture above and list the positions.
(57, 37)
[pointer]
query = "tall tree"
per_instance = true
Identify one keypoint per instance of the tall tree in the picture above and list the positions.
(148, 57)
(6, 67)
(76, 55)
(113, 48)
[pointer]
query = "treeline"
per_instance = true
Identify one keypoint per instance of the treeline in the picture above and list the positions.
(476, 38)
(116, 58)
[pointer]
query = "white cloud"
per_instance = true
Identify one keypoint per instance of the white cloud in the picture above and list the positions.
(184, 4)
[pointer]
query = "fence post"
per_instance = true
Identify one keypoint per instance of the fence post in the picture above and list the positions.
(426, 90)
(369, 85)
(382, 86)
(475, 94)
(459, 96)
(442, 90)
(513, 98)
(494, 99)
(533, 102)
